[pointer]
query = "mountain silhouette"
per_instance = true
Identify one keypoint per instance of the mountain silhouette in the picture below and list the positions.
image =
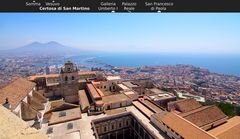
(51, 48)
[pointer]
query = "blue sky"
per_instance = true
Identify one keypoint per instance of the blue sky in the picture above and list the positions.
(163, 33)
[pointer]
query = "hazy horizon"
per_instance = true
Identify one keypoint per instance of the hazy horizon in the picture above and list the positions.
(138, 33)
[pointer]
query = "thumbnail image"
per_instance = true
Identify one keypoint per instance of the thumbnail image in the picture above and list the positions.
(119, 76)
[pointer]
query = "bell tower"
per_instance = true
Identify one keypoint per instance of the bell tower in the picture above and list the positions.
(69, 73)
(69, 82)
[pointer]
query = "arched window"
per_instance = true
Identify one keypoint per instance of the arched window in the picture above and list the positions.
(72, 77)
(66, 78)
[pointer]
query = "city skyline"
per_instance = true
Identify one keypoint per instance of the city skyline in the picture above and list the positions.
(158, 33)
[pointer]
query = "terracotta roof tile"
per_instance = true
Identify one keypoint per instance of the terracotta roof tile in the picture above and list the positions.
(16, 91)
(37, 95)
(145, 110)
(229, 130)
(115, 98)
(233, 133)
(86, 73)
(152, 105)
(56, 103)
(34, 77)
(83, 99)
(28, 112)
(204, 115)
(92, 90)
(60, 105)
(35, 103)
(181, 126)
(99, 102)
(187, 105)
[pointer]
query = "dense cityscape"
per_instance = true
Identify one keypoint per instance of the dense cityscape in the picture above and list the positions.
(183, 78)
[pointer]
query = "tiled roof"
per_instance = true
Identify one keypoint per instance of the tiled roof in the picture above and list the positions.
(187, 105)
(37, 95)
(60, 106)
(181, 126)
(83, 99)
(99, 102)
(28, 112)
(34, 77)
(86, 73)
(115, 98)
(229, 130)
(152, 106)
(145, 110)
(204, 115)
(132, 95)
(93, 91)
(35, 103)
(16, 91)
(56, 103)
(100, 92)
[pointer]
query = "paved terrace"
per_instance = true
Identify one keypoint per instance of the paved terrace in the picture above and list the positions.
(82, 128)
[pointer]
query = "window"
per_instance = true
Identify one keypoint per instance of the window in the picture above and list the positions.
(70, 126)
(66, 78)
(105, 129)
(72, 77)
(120, 125)
(104, 87)
(97, 130)
(112, 127)
(62, 114)
(50, 130)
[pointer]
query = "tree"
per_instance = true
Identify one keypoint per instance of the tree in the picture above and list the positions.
(227, 108)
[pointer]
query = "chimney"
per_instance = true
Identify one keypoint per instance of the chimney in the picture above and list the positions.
(6, 101)
(7, 104)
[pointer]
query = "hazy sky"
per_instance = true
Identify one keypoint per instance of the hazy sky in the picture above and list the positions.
(171, 33)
